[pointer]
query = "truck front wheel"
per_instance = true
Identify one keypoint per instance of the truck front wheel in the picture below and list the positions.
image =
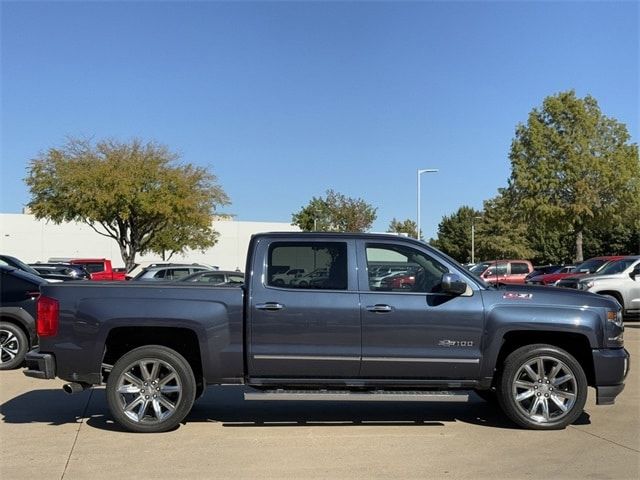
(151, 389)
(542, 387)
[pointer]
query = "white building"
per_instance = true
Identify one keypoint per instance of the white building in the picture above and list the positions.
(31, 240)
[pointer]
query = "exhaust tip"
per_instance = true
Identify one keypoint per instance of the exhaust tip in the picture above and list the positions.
(71, 388)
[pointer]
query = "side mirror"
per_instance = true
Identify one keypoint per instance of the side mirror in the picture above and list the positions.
(453, 284)
(635, 272)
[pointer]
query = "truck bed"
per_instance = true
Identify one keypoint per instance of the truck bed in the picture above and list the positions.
(90, 312)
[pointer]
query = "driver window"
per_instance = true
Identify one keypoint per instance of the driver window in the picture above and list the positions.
(395, 268)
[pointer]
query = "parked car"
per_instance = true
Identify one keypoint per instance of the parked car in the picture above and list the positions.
(398, 281)
(380, 274)
(8, 260)
(172, 273)
(216, 277)
(590, 266)
(503, 272)
(74, 272)
(286, 277)
(316, 276)
(18, 293)
(543, 270)
(158, 347)
(99, 269)
(139, 267)
(619, 280)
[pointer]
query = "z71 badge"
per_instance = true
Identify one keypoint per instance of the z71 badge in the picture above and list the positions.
(517, 296)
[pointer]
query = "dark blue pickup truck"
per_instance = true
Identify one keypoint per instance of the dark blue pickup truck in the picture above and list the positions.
(368, 318)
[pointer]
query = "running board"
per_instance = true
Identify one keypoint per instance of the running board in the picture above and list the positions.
(356, 396)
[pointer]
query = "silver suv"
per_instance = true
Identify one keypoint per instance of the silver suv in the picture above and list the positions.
(169, 273)
(619, 280)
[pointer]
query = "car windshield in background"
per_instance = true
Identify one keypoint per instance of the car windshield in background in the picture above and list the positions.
(590, 266)
(479, 268)
(618, 266)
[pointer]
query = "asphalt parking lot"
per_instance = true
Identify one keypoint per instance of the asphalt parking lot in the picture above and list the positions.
(47, 434)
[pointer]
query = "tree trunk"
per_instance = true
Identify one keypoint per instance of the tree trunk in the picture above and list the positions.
(129, 258)
(579, 256)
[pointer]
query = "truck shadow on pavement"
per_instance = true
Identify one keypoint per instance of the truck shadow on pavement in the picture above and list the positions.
(227, 406)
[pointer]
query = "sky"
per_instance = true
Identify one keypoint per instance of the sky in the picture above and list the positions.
(284, 100)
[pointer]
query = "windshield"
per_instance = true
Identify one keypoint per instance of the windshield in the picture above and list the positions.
(618, 266)
(590, 266)
(479, 268)
(24, 267)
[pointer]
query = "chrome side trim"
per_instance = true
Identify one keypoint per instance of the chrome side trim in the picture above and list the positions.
(304, 357)
(423, 360)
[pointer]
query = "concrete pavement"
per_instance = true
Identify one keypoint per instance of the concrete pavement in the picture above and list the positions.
(46, 434)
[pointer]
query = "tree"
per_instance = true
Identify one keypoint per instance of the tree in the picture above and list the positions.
(135, 193)
(574, 169)
(406, 226)
(499, 234)
(454, 233)
(335, 213)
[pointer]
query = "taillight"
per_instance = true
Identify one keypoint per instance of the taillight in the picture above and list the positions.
(47, 321)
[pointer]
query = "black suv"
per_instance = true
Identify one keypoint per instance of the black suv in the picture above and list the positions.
(18, 293)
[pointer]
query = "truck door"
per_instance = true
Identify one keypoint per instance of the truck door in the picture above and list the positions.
(307, 328)
(409, 330)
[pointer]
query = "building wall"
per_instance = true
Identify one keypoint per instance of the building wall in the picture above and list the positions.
(31, 240)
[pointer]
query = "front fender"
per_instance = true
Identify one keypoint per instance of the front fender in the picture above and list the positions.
(505, 318)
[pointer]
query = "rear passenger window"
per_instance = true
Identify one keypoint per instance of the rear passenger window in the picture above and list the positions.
(519, 268)
(324, 264)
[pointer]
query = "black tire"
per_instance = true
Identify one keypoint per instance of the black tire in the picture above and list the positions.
(564, 392)
(303, 284)
(149, 391)
(13, 346)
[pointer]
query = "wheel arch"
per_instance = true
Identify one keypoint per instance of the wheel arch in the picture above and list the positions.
(576, 344)
(614, 293)
(121, 340)
(21, 319)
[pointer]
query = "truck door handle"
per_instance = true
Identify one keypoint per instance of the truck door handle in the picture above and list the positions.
(380, 308)
(272, 306)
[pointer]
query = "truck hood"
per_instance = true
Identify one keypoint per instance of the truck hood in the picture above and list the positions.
(539, 295)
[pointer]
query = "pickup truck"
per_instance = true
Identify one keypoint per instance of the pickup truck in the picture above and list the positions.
(534, 350)
(99, 269)
(619, 280)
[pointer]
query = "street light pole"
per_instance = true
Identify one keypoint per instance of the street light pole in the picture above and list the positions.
(420, 172)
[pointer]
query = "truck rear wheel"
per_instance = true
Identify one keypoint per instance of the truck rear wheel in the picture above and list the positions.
(150, 389)
(542, 387)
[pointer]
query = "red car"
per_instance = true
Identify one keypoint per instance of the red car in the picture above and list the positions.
(503, 272)
(399, 281)
(587, 267)
(100, 269)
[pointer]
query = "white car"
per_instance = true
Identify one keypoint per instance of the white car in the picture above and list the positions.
(286, 277)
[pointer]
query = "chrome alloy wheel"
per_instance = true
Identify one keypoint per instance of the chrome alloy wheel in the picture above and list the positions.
(544, 389)
(9, 346)
(149, 391)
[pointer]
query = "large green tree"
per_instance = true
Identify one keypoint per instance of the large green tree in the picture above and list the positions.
(335, 213)
(500, 234)
(133, 192)
(574, 170)
(454, 233)
(407, 226)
